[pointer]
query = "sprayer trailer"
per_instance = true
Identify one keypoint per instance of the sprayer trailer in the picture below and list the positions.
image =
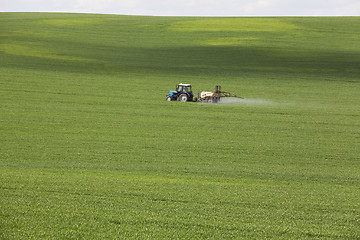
(214, 97)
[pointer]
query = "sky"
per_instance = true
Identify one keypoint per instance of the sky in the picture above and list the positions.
(190, 7)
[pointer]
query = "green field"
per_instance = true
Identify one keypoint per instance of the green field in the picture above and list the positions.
(89, 148)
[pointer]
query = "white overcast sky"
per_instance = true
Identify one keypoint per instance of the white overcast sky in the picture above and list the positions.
(190, 7)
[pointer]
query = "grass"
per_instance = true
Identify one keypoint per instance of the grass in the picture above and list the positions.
(91, 149)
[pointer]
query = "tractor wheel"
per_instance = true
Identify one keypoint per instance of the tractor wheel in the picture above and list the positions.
(210, 100)
(168, 98)
(183, 98)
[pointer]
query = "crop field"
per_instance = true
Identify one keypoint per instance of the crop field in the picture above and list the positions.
(89, 148)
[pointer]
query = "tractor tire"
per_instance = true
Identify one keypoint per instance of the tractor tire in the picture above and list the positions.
(168, 98)
(210, 100)
(183, 98)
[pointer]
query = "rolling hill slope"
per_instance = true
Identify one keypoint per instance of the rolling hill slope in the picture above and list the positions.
(91, 149)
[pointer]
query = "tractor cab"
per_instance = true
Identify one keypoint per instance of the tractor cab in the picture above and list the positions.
(182, 93)
(186, 88)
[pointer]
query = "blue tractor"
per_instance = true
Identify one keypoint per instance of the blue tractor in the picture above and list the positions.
(183, 93)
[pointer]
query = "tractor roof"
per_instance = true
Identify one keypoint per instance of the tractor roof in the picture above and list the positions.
(185, 85)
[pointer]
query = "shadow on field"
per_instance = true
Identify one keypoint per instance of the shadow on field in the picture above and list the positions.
(191, 60)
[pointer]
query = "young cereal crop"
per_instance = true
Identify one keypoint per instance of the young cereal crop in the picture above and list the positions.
(89, 148)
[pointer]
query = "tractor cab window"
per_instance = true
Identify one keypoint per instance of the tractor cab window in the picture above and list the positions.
(183, 89)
